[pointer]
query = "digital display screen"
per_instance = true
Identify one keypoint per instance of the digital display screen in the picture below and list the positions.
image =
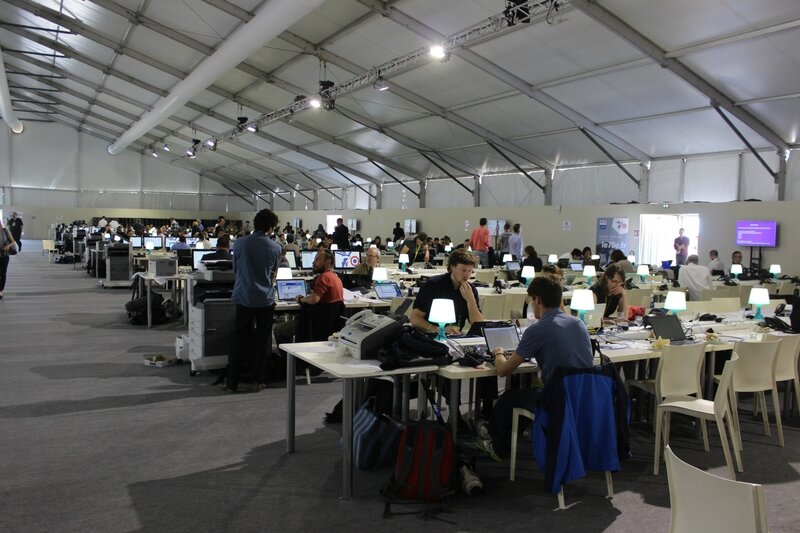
(171, 241)
(346, 259)
(757, 233)
(290, 289)
(307, 259)
(136, 242)
(387, 290)
(157, 242)
(197, 257)
(291, 259)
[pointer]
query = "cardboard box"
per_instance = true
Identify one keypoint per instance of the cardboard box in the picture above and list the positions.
(160, 360)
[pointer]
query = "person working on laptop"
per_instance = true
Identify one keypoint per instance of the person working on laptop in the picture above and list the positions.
(695, 277)
(328, 287)
(610, 290)
(222, 252)
(556, 340)
(256, 260)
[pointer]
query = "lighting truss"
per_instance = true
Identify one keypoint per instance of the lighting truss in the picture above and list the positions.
(489, 26)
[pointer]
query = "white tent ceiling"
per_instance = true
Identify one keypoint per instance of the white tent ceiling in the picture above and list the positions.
(640, 78)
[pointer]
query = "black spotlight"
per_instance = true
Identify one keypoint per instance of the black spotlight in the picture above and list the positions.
(517, 11)
(328, 101)
(240, 122)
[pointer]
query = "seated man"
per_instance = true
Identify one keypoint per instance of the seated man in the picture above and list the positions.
(373, 259)
(556, 340)
(695, 277)
(416, 248)
(222, 252)
(610, 290)
(181, 244)
(716, 266)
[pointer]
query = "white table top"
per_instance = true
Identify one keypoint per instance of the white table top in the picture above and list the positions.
(323, 355)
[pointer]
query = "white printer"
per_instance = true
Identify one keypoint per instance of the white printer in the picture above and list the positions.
(365, 332)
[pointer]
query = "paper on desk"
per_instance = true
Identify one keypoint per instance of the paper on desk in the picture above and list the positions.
(363, 365)
(613, 346)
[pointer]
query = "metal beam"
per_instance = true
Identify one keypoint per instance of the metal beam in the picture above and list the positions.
(746, 142)
(324, 188)
(351, 181)
(437, 165)
(519, 168)
(650, 49)
(608, 154)
(395, 179)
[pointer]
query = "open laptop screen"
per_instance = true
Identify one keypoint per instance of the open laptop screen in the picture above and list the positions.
(667, 327)
(506, 338)
(289, 289)
(512, 265)
(387, 290)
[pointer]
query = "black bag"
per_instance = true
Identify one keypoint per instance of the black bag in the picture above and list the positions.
(375, 437)
(413, 348)
(137, 310)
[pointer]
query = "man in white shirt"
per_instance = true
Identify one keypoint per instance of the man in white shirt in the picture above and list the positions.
(102, 223)
(695, 277)
(716, 266)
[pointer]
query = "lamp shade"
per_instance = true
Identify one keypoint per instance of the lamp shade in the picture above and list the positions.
(595, 257)
(443, 311)
(528, 272)
(552, 259)
(369, 239)
(403, 259)
(736, 269)
(643, 270)
(448, 248)
(358, 243)
(319, 240)
(632, 258)
(334, 247)
(589, 271)
(284, 273)
(380, 274)
(373, 245)
(509, 257)
(758, 296)
(774, 269)
(389, 244)
(675, 301)
(149, 246)
(582, 300)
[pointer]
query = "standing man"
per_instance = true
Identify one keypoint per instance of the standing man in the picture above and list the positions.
(341, 235)
(398, 233)
(681, 245)
(480, 242)
(515, 244)
(695, 277)
(15, 227)
(502, 241)
(556, 340)
(256, 258)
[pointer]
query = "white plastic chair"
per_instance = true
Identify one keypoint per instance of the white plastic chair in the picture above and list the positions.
(718, 410)
(513, 305)
(786, 365)
(755, 373)
(700, 501)
(492, 306)
(485, 276)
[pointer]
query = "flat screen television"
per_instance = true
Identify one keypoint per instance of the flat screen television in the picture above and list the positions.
(157, 242)
(346, 259)
(136, 242)
(307, 259)
(757, 233)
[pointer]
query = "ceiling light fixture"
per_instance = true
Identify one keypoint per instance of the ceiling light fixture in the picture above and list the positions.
(211, 143)
(380, 83)
(328, 100)
(155, 154)
(437, 51)
(315, 102)
(241, 121)
(252, 128)
(166, 147)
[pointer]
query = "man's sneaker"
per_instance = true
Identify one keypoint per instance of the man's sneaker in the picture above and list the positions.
(482, 429)
(470, 482)
(485, 445)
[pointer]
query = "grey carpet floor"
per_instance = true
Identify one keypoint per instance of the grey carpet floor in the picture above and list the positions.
(92, 440)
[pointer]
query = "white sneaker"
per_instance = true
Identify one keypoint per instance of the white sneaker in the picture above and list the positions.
(470, 483)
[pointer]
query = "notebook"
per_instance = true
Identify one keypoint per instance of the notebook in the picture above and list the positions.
(289, 289)
(506, 338)
(512, 266)
(386, 290)
(668, 327)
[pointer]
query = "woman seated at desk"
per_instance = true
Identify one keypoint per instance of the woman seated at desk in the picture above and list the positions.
(610, 290)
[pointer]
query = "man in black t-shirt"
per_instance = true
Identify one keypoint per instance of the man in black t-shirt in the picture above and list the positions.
(15, 227)
(398, 233)
(341, 235)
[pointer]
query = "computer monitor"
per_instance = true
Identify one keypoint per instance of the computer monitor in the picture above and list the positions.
(576, 267)
(290, 289)
(292, 259)
(512, 266)
(386, 290)
(197, 256)
(157, 242)
(213, 241)
(191, 241)
(136, 242)
(171, 241)
(346, 259)
(307, 259)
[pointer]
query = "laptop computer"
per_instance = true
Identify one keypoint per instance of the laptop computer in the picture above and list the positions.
(290, 289)
(386, 290)
(576, 267)
(506, 338)
(512, 266)
(668, 327)
(476, 329)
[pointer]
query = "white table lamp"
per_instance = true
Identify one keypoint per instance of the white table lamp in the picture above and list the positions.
(759, 297)
(369, 240)
(443, 312)
(334, 247)
(589, 272)
(448, 248)
(736, 271)
(552, 259)
(380, 274)
(632, 259)
(774, 270)
(358, 243)
(389, 244)
(528, 272)
(284, 273)
(595, 257)
(373, 245)
(643, 271)
(319, 240)
(582, 301)
(507, 258)
(403, 260)
(675, 301)
(149, 246)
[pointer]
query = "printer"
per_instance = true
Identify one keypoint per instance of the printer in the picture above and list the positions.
(365, 332)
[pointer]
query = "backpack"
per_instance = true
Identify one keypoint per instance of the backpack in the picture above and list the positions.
(426, 461)
(137, 310)
(413, 348)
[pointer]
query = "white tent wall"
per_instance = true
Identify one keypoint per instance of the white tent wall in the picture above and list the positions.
(395, 196)
(664, 182)
(44, 156)
(595, 185)
(446, 193)
(512, 190)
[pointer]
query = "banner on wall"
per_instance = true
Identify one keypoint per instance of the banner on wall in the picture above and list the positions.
(612, 233)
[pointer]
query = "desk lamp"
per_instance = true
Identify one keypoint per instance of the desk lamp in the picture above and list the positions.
(369, 240)
(443, 312)
(507, 258)
(736, 271)
(358, 243)
(389, 244)
(774, 270)
(552, 259)
(448, 248)
(149, 246)
(373, 245)
(403, 260)
(759, 297)
(675, 301)
(632, 259)
(582, 301)
(319, 240)
(380, 274)
(334, 247)
(528, 272)
(589, 272)
(595, 257)
(643, 271)
(284, 273)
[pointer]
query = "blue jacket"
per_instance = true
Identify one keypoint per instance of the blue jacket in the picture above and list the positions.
(581, 424)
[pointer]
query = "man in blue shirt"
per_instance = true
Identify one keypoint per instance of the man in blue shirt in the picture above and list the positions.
(557, 339)
(255, 261)
(181, 244)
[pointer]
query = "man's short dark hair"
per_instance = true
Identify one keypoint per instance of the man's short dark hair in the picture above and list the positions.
(713, 253)
(224, 241)
(290, 238)
(265, 220)
(506, 226)
(460, 256)
(422, 237)
(617, 255)
(516, 228)
(182, 238)
(328, 255)
(613, 270)
(548, 291)
(482, 221)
